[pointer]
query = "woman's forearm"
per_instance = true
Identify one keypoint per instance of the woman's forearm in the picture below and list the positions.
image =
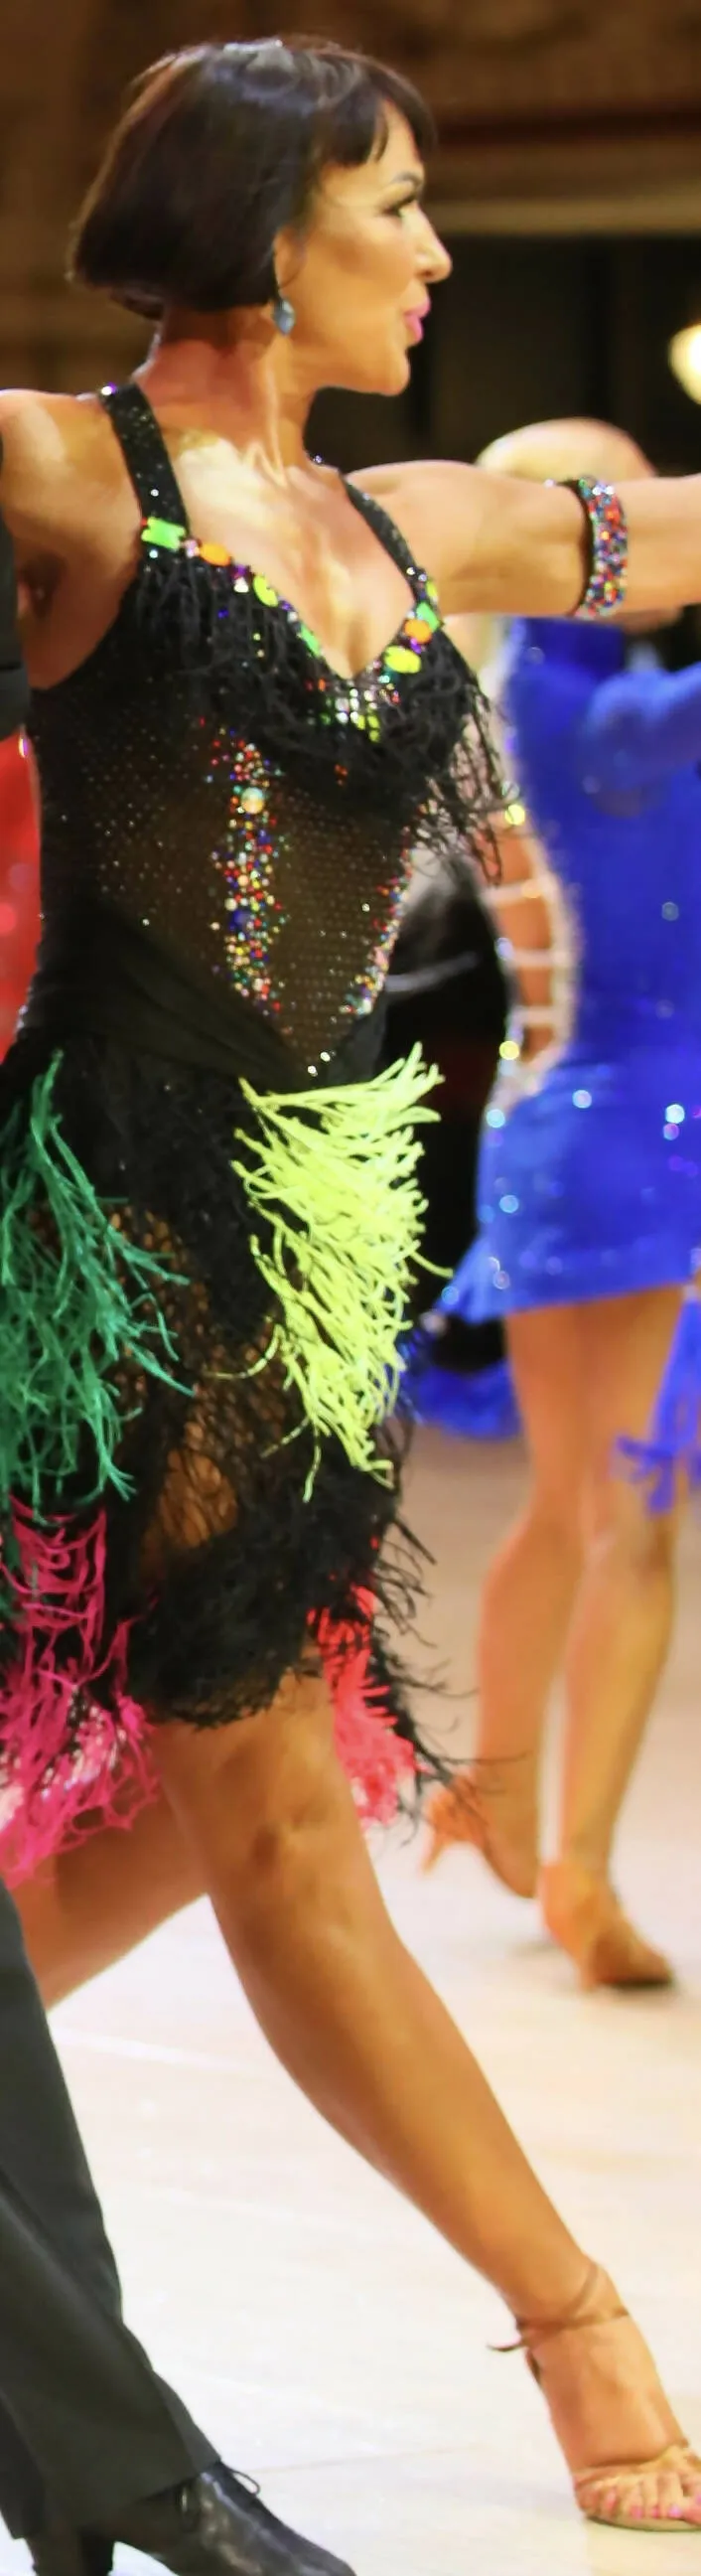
(522, 548)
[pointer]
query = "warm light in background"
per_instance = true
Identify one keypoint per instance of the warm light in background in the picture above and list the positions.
(685, 360)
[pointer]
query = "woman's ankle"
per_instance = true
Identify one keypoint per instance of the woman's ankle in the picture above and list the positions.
(595, 2301)
(581, 1862)
(504, 1791)
(509, 1784)
(550, 2309)
(516, 1766)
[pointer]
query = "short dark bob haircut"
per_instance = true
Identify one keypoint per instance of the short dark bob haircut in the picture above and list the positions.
(220, 148)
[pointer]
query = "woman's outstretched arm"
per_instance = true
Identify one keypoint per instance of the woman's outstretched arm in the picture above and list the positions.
(522, 548)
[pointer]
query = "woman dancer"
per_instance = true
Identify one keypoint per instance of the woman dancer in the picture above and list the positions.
(208, 1220)
(590, 1210)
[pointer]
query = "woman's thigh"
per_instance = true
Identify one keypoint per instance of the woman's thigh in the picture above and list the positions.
(586, 1377)
(544, 1348)
(626, 1344)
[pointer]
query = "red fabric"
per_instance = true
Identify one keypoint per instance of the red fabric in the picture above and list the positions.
(19, 883)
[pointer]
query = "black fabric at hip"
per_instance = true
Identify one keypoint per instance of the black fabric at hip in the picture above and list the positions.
(102, 975)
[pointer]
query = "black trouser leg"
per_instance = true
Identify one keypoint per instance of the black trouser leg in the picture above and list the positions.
(82, 2414)
(23, 2501)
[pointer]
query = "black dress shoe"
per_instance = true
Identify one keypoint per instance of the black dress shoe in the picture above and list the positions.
(217, 2525)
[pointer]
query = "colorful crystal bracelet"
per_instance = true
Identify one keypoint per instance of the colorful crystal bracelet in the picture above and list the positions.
(605, 586)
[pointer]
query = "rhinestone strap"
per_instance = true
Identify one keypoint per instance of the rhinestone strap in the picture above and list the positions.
(604, 590)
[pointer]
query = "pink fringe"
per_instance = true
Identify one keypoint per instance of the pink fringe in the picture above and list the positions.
(50, 1782)
(59, 1764)
(377, 1761)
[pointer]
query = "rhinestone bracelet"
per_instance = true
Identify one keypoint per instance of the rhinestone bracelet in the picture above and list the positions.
(605, 585)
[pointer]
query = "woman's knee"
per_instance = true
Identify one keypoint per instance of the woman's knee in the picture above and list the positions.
(620, 1521)
(555, 1512)
(253, 1795)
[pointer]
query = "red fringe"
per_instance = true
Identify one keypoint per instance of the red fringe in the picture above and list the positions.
(58, 1762)
(61, 1762)
(377, 1761)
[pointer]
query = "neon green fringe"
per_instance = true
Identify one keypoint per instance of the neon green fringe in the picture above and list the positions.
(334, 1173)
(75, 1297)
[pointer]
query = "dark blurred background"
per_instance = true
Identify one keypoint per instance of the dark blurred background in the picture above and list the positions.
(567, 181)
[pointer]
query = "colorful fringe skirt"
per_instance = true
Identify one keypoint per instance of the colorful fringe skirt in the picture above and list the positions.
(202, 1288)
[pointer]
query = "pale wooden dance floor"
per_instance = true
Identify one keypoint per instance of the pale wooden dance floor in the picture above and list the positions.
(334, 2347)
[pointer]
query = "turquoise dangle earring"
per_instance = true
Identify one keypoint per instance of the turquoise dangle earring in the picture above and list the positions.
(284, 315)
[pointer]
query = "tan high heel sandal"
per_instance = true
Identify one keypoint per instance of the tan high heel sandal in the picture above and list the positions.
(605, 2494)
(468, 1812)
(582, 1913)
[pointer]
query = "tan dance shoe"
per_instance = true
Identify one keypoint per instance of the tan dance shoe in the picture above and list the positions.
(595, 2370)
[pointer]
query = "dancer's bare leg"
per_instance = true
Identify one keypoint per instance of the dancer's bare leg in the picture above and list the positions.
(619, 1637)
(586, 1577)
(620, 1634)
(270, 1818)
(583, 1375)
(96, 1902)
(525, 1608)
(355, 2023)
(271, 1821)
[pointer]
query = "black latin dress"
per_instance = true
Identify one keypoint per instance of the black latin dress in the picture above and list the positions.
(209, 1213)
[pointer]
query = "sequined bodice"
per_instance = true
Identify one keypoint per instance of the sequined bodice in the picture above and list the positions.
(208, 774)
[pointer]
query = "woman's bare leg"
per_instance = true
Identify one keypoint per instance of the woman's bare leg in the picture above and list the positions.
(268, 1823)
(273, 1827)
(585, 1577)
(262, 1816)
(525, 1608)
(269, 1816)
(618, 1640)
(619, 1637)
(97, 1901)
(583, 1375)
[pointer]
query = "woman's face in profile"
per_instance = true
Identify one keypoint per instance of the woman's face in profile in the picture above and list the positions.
(362, 278)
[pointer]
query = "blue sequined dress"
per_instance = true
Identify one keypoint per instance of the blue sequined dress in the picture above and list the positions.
(589, 1181)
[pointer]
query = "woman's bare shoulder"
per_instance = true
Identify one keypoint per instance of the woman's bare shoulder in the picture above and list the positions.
(55, 449)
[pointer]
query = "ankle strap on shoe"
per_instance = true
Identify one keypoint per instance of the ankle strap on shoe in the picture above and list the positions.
(544, 2329)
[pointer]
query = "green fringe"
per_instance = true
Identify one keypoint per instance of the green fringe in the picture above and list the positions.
(75, 1297)
(334, 1174)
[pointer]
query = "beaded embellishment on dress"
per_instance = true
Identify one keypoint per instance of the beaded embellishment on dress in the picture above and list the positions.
(227, 828)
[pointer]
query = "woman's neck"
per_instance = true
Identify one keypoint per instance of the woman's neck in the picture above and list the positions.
(235, 376)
